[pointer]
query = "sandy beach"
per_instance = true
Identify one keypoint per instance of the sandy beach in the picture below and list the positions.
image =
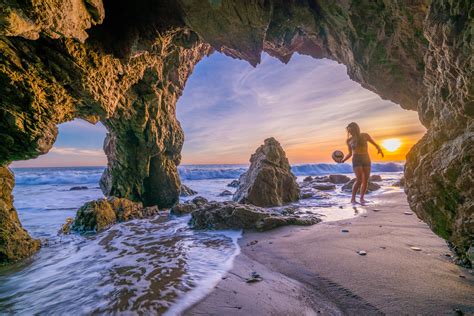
(317, 270)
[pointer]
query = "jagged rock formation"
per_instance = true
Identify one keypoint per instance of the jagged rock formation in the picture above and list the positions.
(15, 243)
(96, 216)
(232, 215)
(67, 18)
(186, 191)
(268, 181)
(439, 175)
(126, 64)
(188, 206)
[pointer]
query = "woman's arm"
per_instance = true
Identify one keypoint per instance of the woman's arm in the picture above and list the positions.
(370, 140)
(349, 154)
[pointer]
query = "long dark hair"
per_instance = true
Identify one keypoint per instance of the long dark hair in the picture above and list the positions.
(353, 130)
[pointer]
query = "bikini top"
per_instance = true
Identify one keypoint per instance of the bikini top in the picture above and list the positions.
(361, 143)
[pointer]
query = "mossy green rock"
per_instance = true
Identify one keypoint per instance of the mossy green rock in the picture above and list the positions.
(94, 216)
(98, 215)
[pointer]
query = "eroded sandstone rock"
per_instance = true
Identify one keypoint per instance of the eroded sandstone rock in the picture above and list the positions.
(66, 18)
(232, 215)
(188, 206)
(98, 215)
(15, 242)
(269, 180)
(135, 61)
(439, 172)
(186, 191)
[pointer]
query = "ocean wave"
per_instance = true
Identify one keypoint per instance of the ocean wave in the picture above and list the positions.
(210, 172)
(57, 176)
(73, 176)
(328, 168)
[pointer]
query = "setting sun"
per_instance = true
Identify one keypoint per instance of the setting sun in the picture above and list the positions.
(391, 144)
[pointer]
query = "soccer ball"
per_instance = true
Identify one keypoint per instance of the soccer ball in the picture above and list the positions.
(338, 156)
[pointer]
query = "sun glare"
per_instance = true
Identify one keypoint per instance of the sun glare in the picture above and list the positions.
(391, 144)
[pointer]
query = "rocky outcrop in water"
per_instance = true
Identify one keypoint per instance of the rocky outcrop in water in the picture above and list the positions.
(375, 178)
(234, 184)
(96, 216)
(15, 242)
(269, 180)
(125, 64)
(321, 183)
(338, 178)
(78, 188)
(188, 206)
(232, 215)
(225, 193)
(186, 191)
(371, 186)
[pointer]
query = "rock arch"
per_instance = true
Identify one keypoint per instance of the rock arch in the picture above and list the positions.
(126, 65)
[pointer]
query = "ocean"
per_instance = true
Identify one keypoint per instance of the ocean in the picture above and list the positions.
(156, 265)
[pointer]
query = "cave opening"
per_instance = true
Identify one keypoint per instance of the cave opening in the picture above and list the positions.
(305, 104)
(49, 189)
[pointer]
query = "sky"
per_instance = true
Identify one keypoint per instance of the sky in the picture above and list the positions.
(229, 107)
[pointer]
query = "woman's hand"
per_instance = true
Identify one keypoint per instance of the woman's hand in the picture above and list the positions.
(379, 151)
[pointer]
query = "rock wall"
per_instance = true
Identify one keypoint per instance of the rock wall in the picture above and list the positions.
(440, 167)
(126, 65)
(15, 243)
(49, 82)
(380, 42)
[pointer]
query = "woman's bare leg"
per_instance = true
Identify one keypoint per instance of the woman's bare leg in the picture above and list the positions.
(358, 172)
(365, 182)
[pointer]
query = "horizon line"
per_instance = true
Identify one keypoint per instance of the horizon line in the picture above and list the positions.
(207, 164)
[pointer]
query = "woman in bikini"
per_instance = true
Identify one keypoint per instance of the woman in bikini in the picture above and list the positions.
(357, 145)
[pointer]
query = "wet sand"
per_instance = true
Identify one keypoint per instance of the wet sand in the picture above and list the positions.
(316, 270)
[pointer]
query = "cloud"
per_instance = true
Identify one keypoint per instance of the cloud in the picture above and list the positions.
(229, 107)
(71, 151)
